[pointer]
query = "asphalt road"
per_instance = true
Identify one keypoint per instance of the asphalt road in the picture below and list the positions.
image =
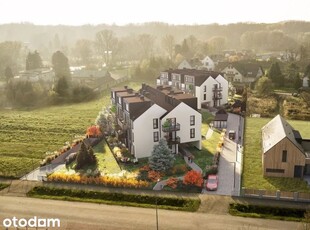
(76, 215)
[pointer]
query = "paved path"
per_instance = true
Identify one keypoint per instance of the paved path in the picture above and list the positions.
(229, 172)
(37, 174)
(78, 215)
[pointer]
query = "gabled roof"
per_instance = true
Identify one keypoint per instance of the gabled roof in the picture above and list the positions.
(276, 130)
(247, 69)
(221, 115)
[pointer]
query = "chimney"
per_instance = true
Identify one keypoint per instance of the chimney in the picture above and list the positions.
(136, 94)
(142, 97)
(171, 92)
(129, 90)
(125, 87)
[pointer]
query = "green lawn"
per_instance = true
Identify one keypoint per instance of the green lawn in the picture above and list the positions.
(252, 165)
(26, 135)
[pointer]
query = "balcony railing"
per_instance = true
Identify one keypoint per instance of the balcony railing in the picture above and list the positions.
(217, 88)
(217, 97)
(175, 140)
(171, 127)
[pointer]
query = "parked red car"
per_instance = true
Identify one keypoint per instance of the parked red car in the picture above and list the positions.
(212, 183)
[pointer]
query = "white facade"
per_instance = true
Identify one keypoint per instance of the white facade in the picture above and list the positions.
(143, 131)
(205, 92)
(185, 65)
(224, 84)
(183, 114)
(208, 63)
(232, 74)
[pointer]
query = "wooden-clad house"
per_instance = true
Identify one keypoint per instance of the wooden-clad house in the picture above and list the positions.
(285, 153)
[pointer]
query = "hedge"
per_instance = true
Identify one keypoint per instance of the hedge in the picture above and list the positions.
(186, 204)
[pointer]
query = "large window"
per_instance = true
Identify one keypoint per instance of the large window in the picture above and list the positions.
(205, 88)
(284, 155)
(205, 97)
(192, 120)
(192, 133)
(156, 136)
(155, 123)
(275, 170)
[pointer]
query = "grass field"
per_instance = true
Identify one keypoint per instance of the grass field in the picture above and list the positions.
(252, 165)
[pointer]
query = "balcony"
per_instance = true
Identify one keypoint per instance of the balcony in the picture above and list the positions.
(170, 127)
(122, 124)
(217, 96)
(175, 140)
(216, 89)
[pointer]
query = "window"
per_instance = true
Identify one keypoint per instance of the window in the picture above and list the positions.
(192, 133)
(205, 88)
(284, 155)
(192, 120)
(275, 170)
(205, 97)
(155, 137)
(155, 123)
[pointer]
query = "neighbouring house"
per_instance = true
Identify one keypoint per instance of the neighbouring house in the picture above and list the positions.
(208, 64)
(305, 81)
(285, 153)
(210, 88)
(238, 72)
(146, 116)
(220, 119)
(100, 79)
(46, 75)
(185, 65)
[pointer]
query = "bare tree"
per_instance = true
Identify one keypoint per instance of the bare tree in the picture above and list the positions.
(168, 44)
(146, 42)
(106, 44)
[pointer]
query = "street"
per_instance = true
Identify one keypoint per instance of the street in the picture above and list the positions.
(77, 215)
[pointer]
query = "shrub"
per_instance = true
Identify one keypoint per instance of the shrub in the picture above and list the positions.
(172, 182)
(154, 175)
(193, 178)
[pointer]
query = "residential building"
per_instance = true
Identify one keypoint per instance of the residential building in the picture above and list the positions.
(285, 153)
(146, 116)
(185, 65)
(210, 88)
(208, 64)
(220, 119)
(46, 75)
(238, 72)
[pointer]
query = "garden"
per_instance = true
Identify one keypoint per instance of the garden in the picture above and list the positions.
(252, 176)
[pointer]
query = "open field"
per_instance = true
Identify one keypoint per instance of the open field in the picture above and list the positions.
(252, 165)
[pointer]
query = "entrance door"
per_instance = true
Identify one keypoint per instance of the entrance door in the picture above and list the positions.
(298, 171)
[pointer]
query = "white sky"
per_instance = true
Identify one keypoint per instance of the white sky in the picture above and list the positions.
(120, 12)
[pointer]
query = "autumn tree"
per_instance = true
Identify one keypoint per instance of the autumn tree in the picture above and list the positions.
(193, 178)
(162, 158)
(93, 131)
(264, 86)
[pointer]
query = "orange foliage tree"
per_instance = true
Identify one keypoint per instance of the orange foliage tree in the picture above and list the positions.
(93, 131)
(193, 178)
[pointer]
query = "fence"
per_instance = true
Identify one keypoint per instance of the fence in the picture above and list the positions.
(276, 195)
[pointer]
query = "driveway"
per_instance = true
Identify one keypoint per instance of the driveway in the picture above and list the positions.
(229, 172)
(37, 174)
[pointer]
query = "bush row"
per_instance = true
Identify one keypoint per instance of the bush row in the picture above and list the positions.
(265, 211)
(189, 204)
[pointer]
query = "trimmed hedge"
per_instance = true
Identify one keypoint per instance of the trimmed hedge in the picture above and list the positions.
(186, 204)
(266, 211)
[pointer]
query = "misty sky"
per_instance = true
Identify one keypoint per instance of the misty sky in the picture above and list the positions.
(120, 12)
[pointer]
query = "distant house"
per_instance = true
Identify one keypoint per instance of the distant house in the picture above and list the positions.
(285, 153)
(305, 81)
(46, 75)
(220, 119)
(207, 64)
(185, 65)
(241, 72)
(210, 88)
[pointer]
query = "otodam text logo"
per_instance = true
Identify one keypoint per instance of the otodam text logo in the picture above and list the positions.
(33, 222)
